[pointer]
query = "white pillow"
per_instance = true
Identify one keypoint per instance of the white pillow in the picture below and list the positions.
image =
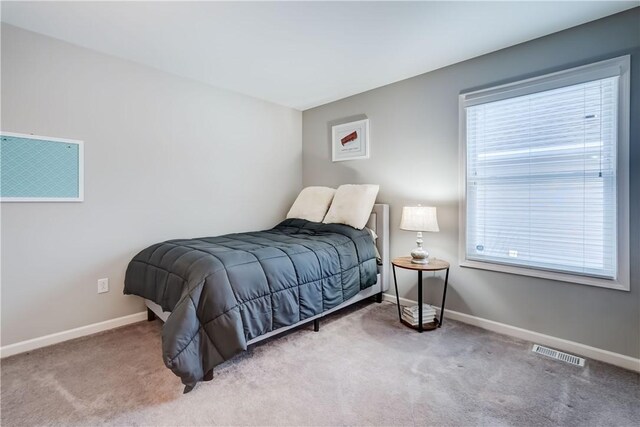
(352, 205)
(312, 203)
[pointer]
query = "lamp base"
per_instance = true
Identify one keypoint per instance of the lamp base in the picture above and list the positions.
(419, 255)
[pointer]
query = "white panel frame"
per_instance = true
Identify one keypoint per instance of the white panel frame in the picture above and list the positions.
(366, 142)
(616, 66)
(80, 145)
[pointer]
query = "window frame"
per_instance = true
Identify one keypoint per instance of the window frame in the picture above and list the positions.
(616, 66)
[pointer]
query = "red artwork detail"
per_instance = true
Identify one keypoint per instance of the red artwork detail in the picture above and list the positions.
(352, 136)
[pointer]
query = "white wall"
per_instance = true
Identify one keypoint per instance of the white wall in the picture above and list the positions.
(415, 157)
(165, 157)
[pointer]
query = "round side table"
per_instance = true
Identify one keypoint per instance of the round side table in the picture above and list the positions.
(433, 265)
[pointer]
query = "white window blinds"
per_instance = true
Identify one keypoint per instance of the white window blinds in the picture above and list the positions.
(541, 179)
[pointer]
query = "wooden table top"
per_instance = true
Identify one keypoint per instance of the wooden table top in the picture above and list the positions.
(434, 264)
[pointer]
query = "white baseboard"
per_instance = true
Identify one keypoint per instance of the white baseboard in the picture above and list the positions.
(58, 337)
(595, 353)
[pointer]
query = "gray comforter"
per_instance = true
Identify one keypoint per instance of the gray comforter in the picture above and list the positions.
(224, 291)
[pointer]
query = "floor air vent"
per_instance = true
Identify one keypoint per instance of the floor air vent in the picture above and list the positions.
(555, 354)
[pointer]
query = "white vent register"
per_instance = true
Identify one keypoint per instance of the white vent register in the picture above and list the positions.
(555, 354)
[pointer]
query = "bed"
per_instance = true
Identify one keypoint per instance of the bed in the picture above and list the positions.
(217, 295)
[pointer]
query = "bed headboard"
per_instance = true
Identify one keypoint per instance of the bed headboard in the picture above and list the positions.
(379, 223)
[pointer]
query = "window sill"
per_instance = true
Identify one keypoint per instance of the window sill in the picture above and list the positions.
(551, 275)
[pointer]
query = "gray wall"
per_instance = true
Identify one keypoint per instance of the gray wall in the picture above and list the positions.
(414, 158)
(165, 157)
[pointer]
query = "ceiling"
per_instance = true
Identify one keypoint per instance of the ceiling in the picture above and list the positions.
(301, 54)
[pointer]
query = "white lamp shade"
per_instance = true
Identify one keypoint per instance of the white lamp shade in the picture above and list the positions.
(419, 218)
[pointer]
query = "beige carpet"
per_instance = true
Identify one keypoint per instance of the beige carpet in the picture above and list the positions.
(362, 368)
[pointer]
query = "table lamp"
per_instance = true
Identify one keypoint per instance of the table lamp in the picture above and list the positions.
(419, 218)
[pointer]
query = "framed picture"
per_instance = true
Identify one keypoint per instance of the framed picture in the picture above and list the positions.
(41, 168)
(350, 141)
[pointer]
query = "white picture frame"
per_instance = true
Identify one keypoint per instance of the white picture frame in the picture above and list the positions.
(350, 141)
(80, 166)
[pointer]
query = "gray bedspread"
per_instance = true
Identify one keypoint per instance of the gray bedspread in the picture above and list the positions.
(224, 291)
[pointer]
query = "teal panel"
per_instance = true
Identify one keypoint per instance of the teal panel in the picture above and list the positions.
(39, 168)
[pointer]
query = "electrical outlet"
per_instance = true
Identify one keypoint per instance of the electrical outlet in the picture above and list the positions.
(103, 286)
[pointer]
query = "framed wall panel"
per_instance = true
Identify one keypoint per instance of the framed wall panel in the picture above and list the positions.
(40, 169)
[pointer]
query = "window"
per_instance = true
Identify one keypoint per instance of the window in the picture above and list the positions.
(546, 176)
